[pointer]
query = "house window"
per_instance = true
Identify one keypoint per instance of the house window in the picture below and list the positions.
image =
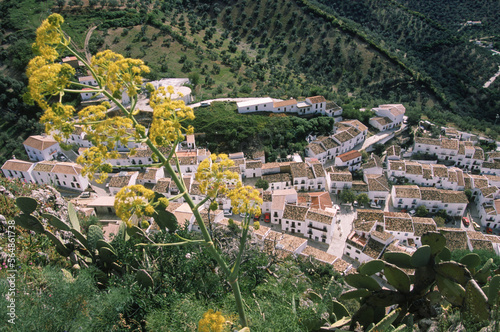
(358, 252)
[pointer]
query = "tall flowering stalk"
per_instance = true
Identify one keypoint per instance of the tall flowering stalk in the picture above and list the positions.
(115, 75)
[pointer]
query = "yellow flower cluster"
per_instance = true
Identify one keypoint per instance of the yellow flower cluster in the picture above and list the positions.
(118, 73)
(168, 116)
(211, 322)
(58, 121)
(214, 175)
(94, 160)
(134, 200)
(245, 199)
(49, 37)
(48, 80)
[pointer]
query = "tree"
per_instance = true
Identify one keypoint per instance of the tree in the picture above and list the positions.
(363, 199)
(443, 214)
(261, 183)
(422, 211)
(49, 80)
(468, 193)
(439, 221)
(194, 78)
(347, 196)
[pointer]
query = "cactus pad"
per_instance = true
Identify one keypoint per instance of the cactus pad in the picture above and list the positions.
(475, 305)
(400, 259)
(56, 222)
(73, 218)
(421, 257)
(29, 222)
(165, 220)
(26, 204)
(144, 279)
(361, 281)
(93, 235)
(371, 267)
(397, 278)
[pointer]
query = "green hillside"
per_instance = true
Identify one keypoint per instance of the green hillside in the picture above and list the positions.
(358, 54)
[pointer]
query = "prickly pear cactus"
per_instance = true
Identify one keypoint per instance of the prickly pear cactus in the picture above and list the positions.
(144, 279)
(412, 280)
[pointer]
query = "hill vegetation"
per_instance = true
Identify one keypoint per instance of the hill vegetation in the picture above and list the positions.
(351, 52)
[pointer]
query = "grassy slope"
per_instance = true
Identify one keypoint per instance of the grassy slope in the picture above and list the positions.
(285, 50)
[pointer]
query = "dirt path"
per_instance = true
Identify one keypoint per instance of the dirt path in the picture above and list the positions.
(88, 56)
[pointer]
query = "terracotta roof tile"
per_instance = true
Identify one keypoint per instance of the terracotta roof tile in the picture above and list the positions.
(404, 225)
(340, 265)
(377, 182)
(342, 175)
(450, 144)
(359, 186)
(422, 225)
(44, 166)
(162, 185)
(440, 171)
(427, 141)
(455, 239)
(17, 165)
(407, 191)
(294, 212)
(120, 180)
(40, 142)
(67, 168)
(321, 216)
(319, 255)
(284, 103)
(349, 155)
(394, 150)
(370, 215)
(364, 226)
(278, 177)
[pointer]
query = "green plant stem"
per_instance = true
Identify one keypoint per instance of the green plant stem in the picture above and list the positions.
(231, 274)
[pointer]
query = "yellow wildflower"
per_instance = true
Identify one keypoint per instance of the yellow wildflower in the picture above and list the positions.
(119, 73)
(49, 37)
(133, 200)
(58, 121)
(48, 80)
(95, 160)
(212, 322)
(245, 199)
(214, 175)
(168, 116)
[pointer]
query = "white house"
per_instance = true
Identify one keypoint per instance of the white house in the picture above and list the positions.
(405, 197)
(150, 175)
(18, 169)
(120, 180)
(255, 105)
(278, 180)
(338, 180)
(68, 175)
(40, 147)
(318, 225)
(253, 168)
(378, 188)
(392, 114)
(351, 160)
(62, 174)
(323, 148)
(400, 225)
